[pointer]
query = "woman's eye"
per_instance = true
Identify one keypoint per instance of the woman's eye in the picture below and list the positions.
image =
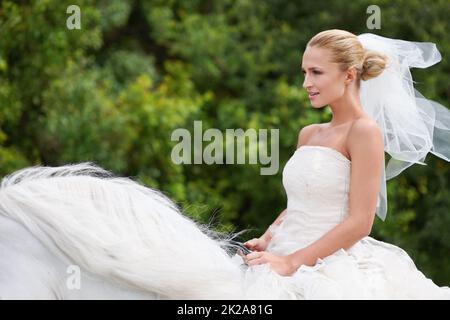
(314, 72)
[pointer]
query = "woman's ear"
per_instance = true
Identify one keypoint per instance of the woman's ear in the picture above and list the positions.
(350, 75)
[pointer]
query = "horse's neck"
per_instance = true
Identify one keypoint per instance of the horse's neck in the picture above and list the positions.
(28, 270)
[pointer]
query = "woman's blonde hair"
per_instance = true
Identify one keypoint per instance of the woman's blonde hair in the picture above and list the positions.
(348, 52)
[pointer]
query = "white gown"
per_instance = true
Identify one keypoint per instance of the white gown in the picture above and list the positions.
(316, 180)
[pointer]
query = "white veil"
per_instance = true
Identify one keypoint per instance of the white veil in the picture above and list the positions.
(411, 125)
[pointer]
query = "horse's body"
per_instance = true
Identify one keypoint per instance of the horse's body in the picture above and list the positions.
(29, 270)
(123, 240)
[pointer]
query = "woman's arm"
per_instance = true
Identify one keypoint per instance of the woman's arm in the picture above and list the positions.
(366, 148)
(267, 236)
(261, 243)
(345, 235)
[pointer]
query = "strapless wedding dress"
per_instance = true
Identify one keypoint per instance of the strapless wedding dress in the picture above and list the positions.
(316, 180)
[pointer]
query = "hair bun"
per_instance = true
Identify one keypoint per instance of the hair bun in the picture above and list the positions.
(373, 65)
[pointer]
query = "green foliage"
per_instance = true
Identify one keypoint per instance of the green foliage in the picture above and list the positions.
(114, 91)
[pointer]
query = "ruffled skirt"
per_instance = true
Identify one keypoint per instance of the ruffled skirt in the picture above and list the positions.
(370, 269)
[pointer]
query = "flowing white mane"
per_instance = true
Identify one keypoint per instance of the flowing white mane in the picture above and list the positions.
(121, 231)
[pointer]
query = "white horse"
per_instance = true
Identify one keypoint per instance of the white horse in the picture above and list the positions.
(78, 232)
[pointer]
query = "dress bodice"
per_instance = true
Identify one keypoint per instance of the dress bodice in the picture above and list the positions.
(316, 180)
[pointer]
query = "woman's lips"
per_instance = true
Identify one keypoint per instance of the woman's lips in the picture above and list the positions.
(313, 95)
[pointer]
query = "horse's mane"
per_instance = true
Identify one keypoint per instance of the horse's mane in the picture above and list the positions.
(121, 230)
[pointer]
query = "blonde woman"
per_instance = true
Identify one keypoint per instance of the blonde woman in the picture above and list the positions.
(335, 180)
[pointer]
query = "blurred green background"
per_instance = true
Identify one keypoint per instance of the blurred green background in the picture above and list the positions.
(114, 91)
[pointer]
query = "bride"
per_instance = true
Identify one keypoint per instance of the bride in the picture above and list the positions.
(131, 241)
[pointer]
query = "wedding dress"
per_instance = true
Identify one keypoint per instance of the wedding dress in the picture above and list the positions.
(316, 180)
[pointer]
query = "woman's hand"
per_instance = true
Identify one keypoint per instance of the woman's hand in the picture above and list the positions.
(257, 244)
(283, 265)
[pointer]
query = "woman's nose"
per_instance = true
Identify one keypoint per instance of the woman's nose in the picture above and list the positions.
(306, 83)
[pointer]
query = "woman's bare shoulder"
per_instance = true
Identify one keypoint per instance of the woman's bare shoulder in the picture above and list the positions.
(306, 132)
(364, 132)
(364, 124)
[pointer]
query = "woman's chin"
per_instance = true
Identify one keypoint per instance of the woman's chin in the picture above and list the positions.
(317, 105)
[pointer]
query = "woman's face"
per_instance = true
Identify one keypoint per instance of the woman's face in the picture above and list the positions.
(324, 81)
